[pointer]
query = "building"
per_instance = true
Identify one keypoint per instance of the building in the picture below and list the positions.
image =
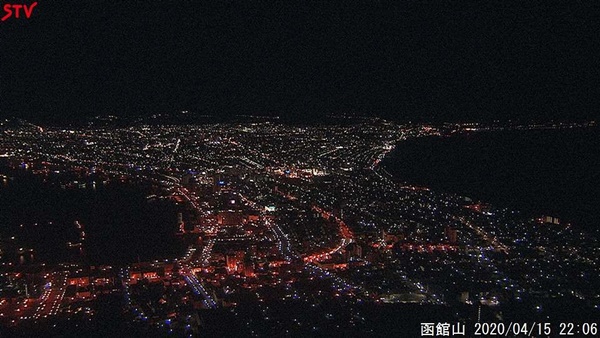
(451, 235)
(551, 220)
(229, 218)
(353, 251)
(248, 266)
(235, 262)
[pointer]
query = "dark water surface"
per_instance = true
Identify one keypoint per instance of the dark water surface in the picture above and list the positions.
(540, 172)
(120, 224)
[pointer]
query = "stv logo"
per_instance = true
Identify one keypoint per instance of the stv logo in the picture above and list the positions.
(15, 9)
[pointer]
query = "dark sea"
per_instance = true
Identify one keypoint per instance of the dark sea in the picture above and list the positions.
(539, 172)
(121, 225)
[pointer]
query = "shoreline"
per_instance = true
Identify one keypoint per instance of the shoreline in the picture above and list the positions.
(481, 191)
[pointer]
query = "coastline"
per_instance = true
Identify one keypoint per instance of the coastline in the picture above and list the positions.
(420, 162)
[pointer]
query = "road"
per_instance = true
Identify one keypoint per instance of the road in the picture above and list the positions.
(197, 287)
(51, 298)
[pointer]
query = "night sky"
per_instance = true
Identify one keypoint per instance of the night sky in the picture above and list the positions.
(405, 60)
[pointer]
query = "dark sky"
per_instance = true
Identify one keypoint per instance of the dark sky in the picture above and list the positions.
(439, 59)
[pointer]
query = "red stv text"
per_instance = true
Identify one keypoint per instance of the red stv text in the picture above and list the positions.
(14, 10)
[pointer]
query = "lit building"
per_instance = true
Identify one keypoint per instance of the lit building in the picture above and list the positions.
(235, 262)
(229, 218)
